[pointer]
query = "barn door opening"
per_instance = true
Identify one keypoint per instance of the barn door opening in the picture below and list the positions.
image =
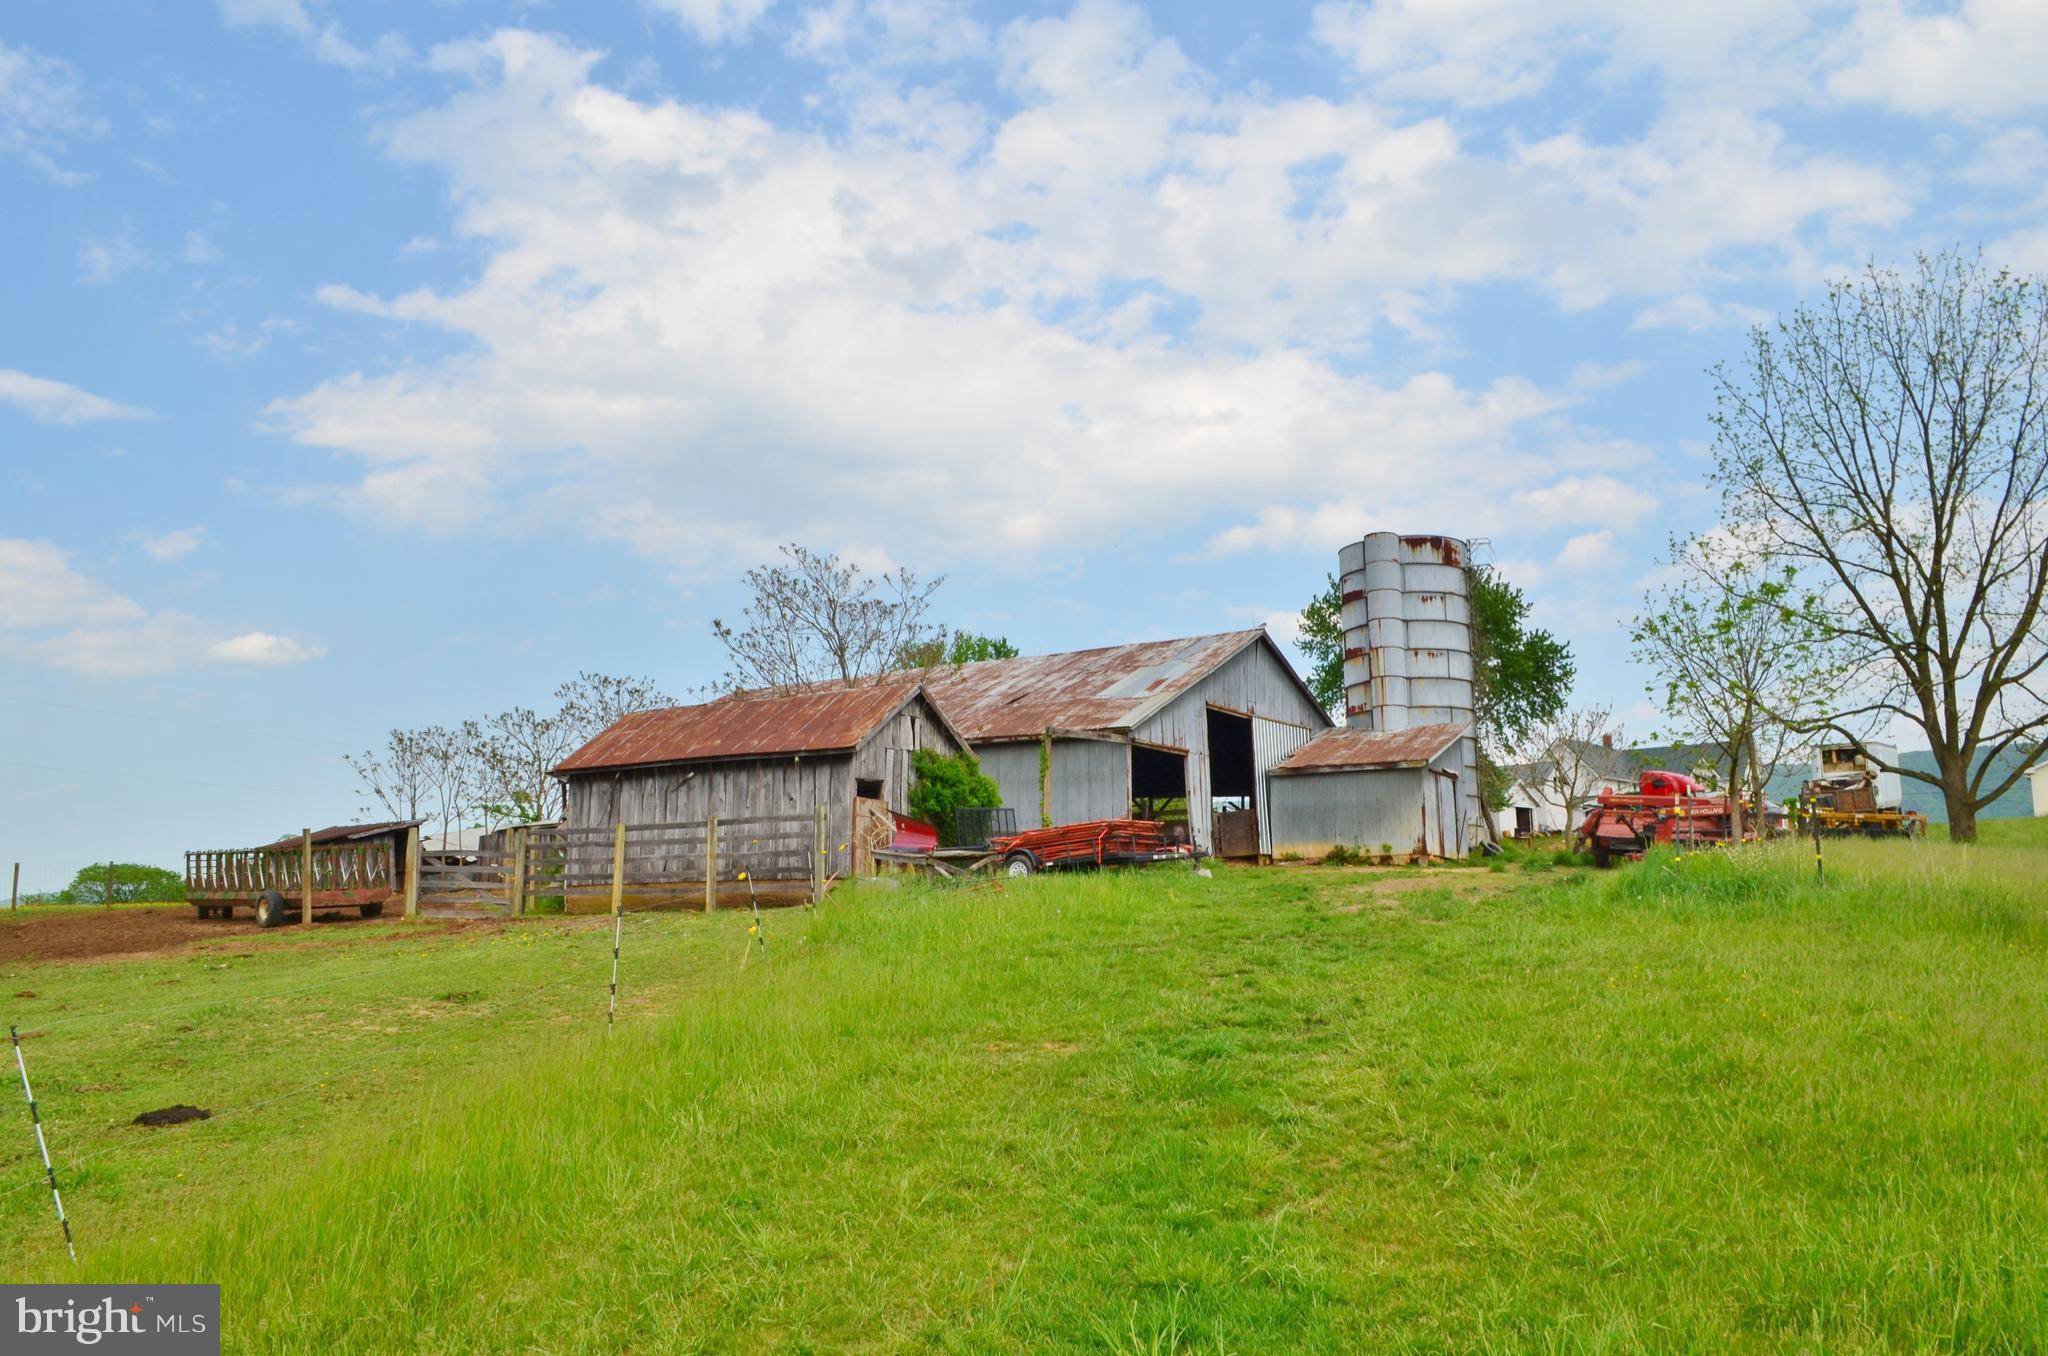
(1159, 784)
(1233, 784)
(1450, 828)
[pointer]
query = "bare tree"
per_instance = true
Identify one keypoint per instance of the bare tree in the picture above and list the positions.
(1571, 752)
(815, 618)
(452, 764)
(1893, 441)
(591, 702)
(516, 753)
(1746, 664)
(399, 778)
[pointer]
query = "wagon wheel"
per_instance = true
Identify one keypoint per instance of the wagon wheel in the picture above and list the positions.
(1020, 864)
(269, 909)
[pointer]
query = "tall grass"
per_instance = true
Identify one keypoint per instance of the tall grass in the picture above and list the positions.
(1705, 1104)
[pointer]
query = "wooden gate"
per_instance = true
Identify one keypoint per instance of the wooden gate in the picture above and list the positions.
(475, 879)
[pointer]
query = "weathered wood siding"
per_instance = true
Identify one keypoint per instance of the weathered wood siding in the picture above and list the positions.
(886, 755)
(1253, 683)
(678, 793)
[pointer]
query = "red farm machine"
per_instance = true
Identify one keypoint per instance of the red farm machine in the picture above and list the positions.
(1667, 807)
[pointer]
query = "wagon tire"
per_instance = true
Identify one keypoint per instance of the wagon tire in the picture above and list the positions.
(373, 910)
(1602, 857)
(1020, 864)
(269, 909)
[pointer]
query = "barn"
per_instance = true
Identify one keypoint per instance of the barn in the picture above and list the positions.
(1189, 726)
(1378, 791)
(759, 756)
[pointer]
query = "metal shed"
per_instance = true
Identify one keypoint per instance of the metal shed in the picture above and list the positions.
(1379, 791)
(759, 755)
(1088, 734)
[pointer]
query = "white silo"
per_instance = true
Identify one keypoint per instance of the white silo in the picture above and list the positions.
(1407, 619)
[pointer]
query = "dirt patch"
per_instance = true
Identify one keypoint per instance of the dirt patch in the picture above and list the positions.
(1386, 890)
(89, 933)
(174, 1115)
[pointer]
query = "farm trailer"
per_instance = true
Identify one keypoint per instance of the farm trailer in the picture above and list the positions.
(277, 879)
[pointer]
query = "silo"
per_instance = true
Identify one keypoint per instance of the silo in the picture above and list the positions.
(1407, 619)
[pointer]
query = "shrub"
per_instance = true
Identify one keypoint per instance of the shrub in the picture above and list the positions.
(1342, 855)
(949, 782)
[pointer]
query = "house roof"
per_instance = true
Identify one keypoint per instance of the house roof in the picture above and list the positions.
(1350, 749)
(815, 720)
(1112, 688)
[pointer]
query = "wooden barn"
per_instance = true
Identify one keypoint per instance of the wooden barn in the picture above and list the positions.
(759, 756)
(1175, 728)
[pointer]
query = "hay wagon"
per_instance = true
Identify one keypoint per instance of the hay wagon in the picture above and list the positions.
(296, 877)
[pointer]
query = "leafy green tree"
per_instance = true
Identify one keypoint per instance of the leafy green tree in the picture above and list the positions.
(132, 883)
(1744, 659)
(1322, 639)
(957, 647)
(947, 782)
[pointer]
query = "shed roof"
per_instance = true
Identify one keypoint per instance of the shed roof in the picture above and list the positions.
(816, 720)
(342, 833)
(1112, 688)
(1350, 749)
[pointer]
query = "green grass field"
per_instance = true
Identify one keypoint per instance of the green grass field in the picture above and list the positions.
(1705, 1104)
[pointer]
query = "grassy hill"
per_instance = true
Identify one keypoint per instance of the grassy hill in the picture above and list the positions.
(1704, 1105)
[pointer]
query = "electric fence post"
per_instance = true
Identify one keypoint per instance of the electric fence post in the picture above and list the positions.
(36, 1118)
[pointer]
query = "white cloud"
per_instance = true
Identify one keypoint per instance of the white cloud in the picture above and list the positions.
(103, 258)
(713, 20)
(1587, 551)
(55, 402)
(323, 41)
(53, 613)
(173, 545)
(1583, 499)
(199, 249)
(1129, 280)
(262, 648)
(44, 107)
(1981, 58)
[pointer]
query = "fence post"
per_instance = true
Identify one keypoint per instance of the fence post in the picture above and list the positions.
(412, 872)
(515, 839)
(306, 876)
(818, 855)
(618, 913)
(710, 863)
(108, 902)
(36, 1117)
(14, 895)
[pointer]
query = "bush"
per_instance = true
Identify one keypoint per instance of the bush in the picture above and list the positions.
(1342, 855)
(949, 782)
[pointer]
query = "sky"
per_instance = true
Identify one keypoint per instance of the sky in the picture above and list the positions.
(374, 364)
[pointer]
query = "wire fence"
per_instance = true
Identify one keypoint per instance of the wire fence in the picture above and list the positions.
(592, 965)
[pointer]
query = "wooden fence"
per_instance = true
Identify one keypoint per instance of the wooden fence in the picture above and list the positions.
(632, 866)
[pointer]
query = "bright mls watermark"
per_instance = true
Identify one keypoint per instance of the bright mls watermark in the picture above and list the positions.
(165, 1320)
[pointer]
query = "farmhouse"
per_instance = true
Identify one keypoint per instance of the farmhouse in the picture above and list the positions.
(1379, 791)
(757, 757)
(1166, 726)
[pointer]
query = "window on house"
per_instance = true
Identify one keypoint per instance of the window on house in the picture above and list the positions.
(868, 788)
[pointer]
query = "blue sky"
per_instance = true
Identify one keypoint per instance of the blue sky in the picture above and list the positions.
(373, 364)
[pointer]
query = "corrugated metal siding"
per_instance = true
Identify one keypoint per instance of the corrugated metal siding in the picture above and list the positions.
(1251, 683)
(1369, 810)
(1015, 769)
(1271, 743)
(1091, 779)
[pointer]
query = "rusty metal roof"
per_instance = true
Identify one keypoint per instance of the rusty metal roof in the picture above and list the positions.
(1113, 688)
(816, 720)
(1348, 748)
(342, 833)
